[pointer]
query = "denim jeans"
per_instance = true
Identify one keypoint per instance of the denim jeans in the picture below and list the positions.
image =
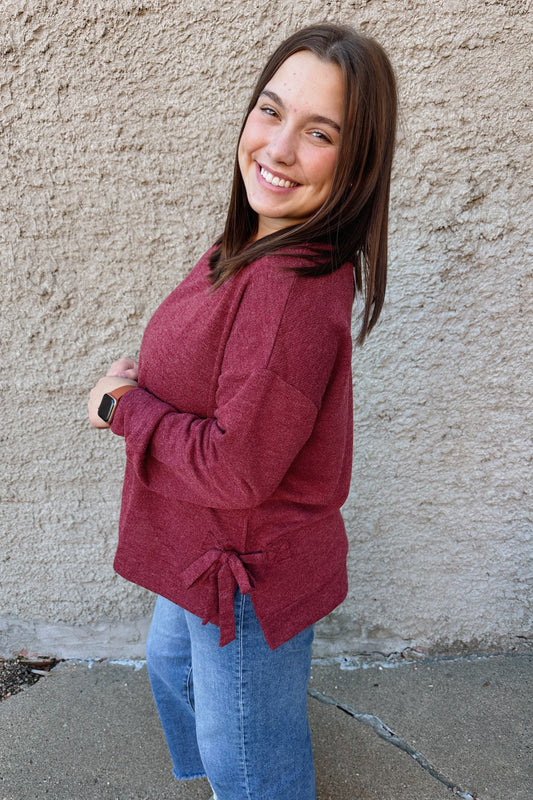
(236, 714)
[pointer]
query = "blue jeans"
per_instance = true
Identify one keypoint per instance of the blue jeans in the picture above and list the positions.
(236, 714)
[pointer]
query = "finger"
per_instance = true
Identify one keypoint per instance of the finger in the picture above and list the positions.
(123, 368)
(115, 370)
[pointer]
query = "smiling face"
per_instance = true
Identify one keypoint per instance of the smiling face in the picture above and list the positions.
(288, 149)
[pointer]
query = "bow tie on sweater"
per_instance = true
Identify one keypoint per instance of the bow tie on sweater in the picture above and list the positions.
(231, 573)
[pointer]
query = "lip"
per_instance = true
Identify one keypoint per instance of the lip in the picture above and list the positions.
(276, 174)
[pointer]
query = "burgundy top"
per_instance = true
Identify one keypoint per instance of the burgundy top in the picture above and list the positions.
(239, 447)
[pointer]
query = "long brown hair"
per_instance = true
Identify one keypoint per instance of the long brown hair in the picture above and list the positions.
(353, 220)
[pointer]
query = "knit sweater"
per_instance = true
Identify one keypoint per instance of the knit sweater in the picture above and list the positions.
(239, 447)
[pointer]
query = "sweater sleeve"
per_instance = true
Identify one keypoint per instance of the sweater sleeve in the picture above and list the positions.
(264, 413)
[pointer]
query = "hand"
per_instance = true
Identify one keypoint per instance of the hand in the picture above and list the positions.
(104, 386)
(124, 368)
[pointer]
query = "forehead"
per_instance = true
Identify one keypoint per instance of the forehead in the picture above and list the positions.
(307, 83)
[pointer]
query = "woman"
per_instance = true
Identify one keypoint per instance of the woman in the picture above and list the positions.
(238, 419)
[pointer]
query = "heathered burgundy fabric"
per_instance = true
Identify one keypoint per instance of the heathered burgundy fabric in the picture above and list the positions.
(239, 447)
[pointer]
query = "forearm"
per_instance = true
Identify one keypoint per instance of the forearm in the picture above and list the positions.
(234, 460)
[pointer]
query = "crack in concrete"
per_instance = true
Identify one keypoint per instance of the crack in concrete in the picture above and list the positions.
(384, 732)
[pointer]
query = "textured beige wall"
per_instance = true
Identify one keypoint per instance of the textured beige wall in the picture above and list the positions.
(118, 124)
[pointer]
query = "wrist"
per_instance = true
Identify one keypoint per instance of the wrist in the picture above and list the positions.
(109, 402)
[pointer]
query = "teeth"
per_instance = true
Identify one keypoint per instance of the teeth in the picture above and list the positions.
(275, 181)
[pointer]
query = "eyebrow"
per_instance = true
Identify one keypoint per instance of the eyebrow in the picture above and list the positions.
(318, 118)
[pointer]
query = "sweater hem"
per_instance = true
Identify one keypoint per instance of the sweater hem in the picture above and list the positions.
(297, 616)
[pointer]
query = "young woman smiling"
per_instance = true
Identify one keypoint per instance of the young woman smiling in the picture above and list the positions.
(289, 145)
(238, 419)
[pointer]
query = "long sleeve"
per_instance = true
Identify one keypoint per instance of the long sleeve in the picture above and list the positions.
(233, 460)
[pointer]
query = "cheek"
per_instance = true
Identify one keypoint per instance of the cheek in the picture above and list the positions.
(324, 168)
(320, 166)
(320, 176)
(243, 156)
(251, 137)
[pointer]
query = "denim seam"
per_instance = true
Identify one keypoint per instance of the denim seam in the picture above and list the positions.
(241, 701)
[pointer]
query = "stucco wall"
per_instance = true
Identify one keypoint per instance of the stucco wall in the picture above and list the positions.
(118, 124)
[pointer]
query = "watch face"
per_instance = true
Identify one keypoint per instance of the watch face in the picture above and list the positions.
(106, 407)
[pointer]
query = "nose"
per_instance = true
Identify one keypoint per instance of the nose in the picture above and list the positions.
(282, 146)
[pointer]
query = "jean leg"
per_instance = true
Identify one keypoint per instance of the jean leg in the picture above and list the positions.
(251, 710)
(168, 658)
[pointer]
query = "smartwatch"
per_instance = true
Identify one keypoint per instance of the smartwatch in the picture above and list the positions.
(109, 402)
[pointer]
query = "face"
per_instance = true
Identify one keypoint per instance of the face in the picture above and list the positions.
(289, 146)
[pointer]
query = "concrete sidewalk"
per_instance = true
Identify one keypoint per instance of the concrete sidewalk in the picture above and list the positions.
(91, 732)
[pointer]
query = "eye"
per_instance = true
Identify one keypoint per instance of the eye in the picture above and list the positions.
(269, 111)
(321, 136)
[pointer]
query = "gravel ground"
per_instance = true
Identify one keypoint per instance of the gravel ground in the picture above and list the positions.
(19, 672)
